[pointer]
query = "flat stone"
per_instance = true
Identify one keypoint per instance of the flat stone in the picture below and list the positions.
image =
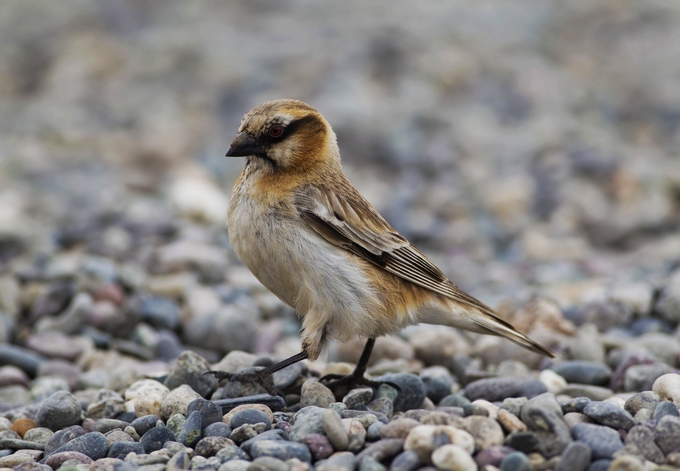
(667, 433)
(643, 400)
(62, 409)
(642, 438)
(155, 439)
(603, 441)
(498, 389)
(595, 393)
(93, 444)
(331, 423)
(575, 457)
(283, 450)
(609, 414)
(453, 458)
(543, 416)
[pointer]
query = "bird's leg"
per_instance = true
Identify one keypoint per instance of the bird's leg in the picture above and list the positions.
(261, 377)
(341, 385)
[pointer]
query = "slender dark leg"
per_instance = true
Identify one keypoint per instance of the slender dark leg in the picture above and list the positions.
(260, 377)
(341, 385)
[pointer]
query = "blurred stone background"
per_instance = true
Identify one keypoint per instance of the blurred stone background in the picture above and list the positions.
(528, 147)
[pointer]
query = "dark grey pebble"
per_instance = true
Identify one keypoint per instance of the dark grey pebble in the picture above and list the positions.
(575, 457)
(338, 462)
(210, 412)
(355, 397)
(250, 416)
(411, 390)
(232, 452)
(667, 433)
(169, 346)
(526, 442)
(437, 387)
(22, 358)
(288, 376)
(642, 377)
(106, 425)
(575, 405)
(665, 408)
(91, 444)
(61, 409)
(643, 438)
(603, 441)
(189, 368)
(273, 435)
(643, 400)
(370, 464)
(209, 446)
(218, 429)
(543, 416)
(17, 444)
(144, 424)
(406, 461)
(155, 438)
(382, 450)
(454, 400)
(120, 449)
(475, 409)
(318, 445)
(497, 389)
(127, 417)
(516, 461)
(373, 431)
(600, 465)
(191, 432)
(63, 436)
(584, 372)
(280, 449)
(382, 405)
(275, 403)
(609, 414)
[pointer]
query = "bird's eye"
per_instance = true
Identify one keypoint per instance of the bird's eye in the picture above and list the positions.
(276, 131)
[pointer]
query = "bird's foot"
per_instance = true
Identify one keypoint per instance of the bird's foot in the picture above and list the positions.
(340, 385)
(259, 378)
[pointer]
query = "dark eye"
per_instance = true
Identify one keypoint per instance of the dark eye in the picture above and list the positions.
(276, 131)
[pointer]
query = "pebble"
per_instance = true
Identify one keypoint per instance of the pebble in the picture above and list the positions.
(642, 377)
(191, 431)
(668, 388)
(665, 408)
(642, 438)
(584, 372)
(188, 370)
(177, 401)
(357, 396)
(319, 445)
(121, 449)
(485, 431)
(356, 434)
(259, 407)
(453, 458)
(93, 444)
(609, 414)
(332, 426)
(399, 428)
(552, 381)
(411, 392)
(603, 441)
(305, 421)
(316, 394)
(516, 461)
(282, 450)
(498, 389)
(575, 457)
(55, 460)
(543, 416)
(58, 411)
(595, 393)
(667, 433)
(250, 416)
(155, 438)
(210, 446)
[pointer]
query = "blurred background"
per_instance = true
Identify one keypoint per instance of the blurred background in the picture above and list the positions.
(528, 147)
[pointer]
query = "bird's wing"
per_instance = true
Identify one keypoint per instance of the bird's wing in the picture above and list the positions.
(349, 221)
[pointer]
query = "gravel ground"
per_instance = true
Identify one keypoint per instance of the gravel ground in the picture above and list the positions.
(529, 148)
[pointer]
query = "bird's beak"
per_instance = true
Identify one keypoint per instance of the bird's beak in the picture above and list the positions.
(244, 145)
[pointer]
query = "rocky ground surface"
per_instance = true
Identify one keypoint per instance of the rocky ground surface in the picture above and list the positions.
(529, 148)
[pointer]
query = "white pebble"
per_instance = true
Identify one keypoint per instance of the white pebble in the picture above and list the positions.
(668, 387)
(453, 458)
(492, 408)
(552, 381)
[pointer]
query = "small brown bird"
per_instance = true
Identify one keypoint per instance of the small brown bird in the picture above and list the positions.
(307, 234)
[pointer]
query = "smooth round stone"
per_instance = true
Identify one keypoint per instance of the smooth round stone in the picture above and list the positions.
(600, 465)
(667, 433)
(642, 437)
(54, 344)
(121, 449)
(575, 457)
(498, 389)
(235, 465)
(406, 461)
(55, 460)
(668, 388)
(210, 412)
(261, 407)
(176, 423)
(118, 435)
(486, 431)
(492, 456)
(584, 372)
(12, 376)
(356, 434)
(268, 463)
(357, 396)
(23, 425)
(106, 425)
(374, 431)
(274, 435)
(191, 432)
(250, 416)
(210, 446)
(399, 428)
(665, 408)
(411, 392)
(603, 441)
(642, 416)
(552, 381)
(543, 416)
(514, 405)
(642, 377)
(144, 424)
(282, 450)
(319, 445)
(316, 394)
(177, 401)
(644, 400)
(516, 461)
(93, 444)
(371, 464)
(218, 429)
(155, 438)
(39, 435)
(60, 410)
(609, 414)
(453, 458)
(437, 387)
(63, 436)
(334, 429)
(305, 421)
(22, 358)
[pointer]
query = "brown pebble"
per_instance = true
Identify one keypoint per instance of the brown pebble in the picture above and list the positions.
(23, 425)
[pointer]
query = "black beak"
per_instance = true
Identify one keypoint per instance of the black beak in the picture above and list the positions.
(244, 145)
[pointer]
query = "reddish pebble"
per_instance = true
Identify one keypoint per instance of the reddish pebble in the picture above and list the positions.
(21, 426)
(55, 460)
(110, 292)
(319, 445)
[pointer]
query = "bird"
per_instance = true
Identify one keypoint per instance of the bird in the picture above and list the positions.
(313, 240)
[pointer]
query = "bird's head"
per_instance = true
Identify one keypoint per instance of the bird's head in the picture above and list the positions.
(285, 135)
